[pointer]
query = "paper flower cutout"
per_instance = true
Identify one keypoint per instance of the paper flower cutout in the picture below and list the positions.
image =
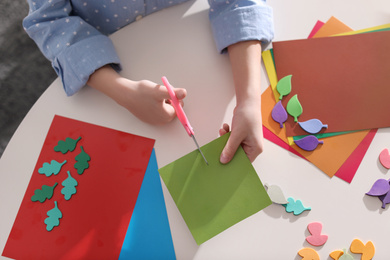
(294, 107)
(308, 143)
(284, 86)
(312, 126)
(367, 251)
(295, 206)
(308, 254)
(384, 158)
(82, 161)
(53, 219)
(279, 114)
(45, 193)
(53, 167)
(69, 187)
(275, 193)
(68, 145)
(316, 238)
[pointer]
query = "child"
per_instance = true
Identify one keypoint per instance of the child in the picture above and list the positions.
(72, 34)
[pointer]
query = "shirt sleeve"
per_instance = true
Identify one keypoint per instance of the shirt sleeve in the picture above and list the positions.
(75, 48)
(234, 21)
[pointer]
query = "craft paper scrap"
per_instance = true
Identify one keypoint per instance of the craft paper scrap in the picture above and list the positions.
(331, 27)
(211, 198)
(149, 235)
(343, 86)
(319, 24)
(95, 219)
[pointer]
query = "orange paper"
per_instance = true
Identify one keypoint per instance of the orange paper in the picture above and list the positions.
(328, 157)
(331, 27)
(348, 142)
(343, 80)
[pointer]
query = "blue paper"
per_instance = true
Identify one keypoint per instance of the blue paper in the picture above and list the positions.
(148, 235)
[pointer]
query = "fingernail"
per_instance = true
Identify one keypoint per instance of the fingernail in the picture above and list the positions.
(224, 159)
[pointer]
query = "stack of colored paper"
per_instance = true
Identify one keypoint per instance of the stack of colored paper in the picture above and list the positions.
(340, 80)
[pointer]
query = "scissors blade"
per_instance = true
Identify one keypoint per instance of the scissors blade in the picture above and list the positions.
(193, 137)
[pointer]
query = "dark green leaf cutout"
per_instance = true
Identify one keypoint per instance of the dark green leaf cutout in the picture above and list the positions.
(82, 161)
(68, 145)
(45, 193)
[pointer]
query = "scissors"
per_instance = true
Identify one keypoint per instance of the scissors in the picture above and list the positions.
(180, 114)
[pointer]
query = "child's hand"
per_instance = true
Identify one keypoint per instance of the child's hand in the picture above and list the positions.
(149, 101)
(145, 99)
(247, 131)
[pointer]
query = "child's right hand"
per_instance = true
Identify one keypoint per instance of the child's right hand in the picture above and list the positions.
(145, 99)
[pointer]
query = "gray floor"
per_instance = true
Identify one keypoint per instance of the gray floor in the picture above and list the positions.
(24, 71)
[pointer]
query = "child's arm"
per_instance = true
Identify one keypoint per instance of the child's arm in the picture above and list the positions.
(144, 99)
(75, 48)
(246, 123)
(238, 28)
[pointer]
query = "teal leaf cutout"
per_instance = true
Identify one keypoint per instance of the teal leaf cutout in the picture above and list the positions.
(45, 193)
(294, 107)
(68, 145)
(284, 86)
(51, 168)
(69, 187)
(82, 161)
(53, 219)
(295, 206)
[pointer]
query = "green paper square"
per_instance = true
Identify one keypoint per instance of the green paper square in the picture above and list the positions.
(214, 197)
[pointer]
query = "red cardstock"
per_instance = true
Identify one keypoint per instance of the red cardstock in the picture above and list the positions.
(95, 220)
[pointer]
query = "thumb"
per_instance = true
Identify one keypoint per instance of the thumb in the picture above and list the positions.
(180, 93)
(229, 150)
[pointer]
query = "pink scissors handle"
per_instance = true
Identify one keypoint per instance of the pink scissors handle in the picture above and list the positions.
(179, 109)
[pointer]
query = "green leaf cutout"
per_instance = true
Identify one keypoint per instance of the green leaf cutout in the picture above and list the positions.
(284, 86)
(69, 187)
(53, 167)
(45, 193)
(68, 145)
(82, 161)
(53, 219)
(294, 107)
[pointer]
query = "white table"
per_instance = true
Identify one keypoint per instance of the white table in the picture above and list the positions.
(177, 43)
